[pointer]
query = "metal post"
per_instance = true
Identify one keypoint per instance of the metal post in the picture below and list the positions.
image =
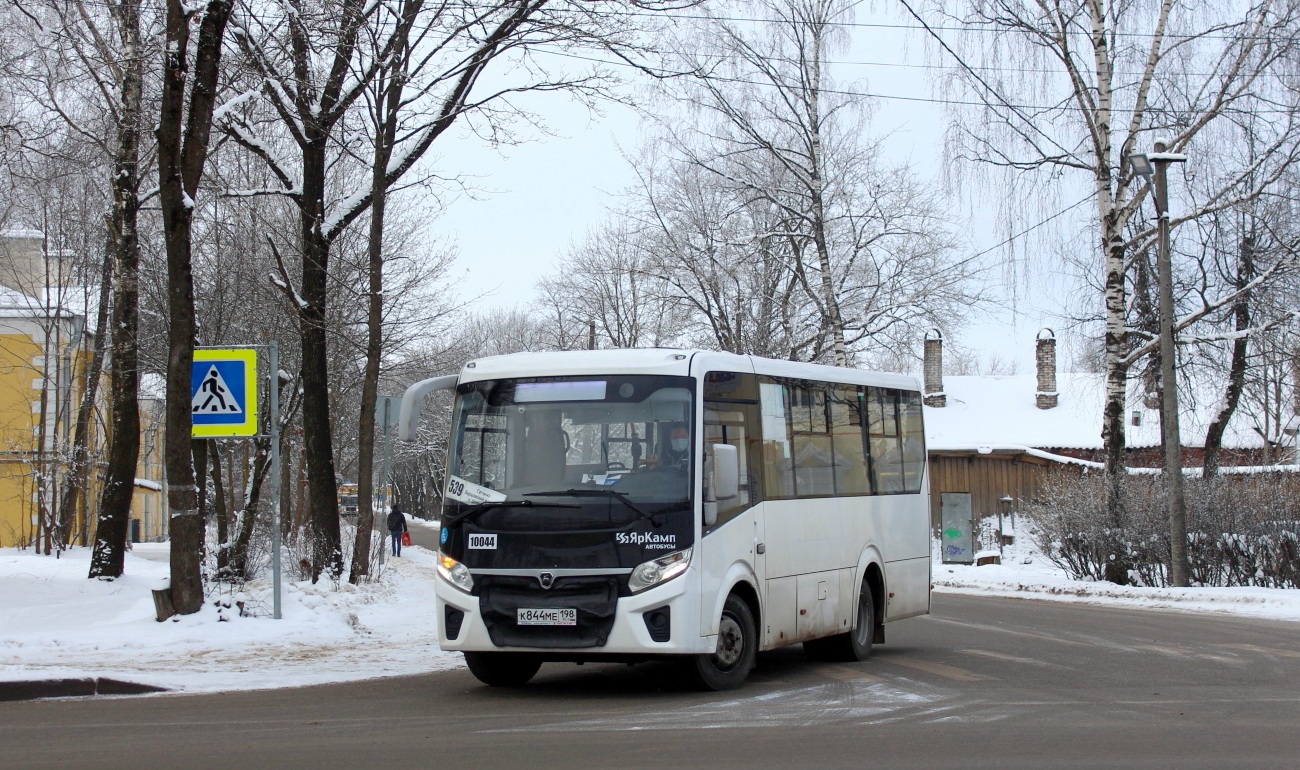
(275, 475)
(1169, 432)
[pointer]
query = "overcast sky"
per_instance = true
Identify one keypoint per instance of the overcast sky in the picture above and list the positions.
(537, 198)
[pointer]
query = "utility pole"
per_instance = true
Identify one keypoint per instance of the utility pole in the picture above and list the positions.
(1144, 165)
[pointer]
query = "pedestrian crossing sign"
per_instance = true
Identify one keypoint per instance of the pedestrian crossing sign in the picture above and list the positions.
(223, 392)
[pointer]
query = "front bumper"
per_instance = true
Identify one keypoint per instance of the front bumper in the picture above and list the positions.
(624, 632)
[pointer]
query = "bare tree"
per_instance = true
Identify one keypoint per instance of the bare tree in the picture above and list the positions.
(1106, 79)
(123, 77)
(443, 83)
(184, 130)
(605, 287)
(864, 241)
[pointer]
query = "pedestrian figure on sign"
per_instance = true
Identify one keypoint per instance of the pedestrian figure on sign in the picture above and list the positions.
(212, 387)
(396, 526)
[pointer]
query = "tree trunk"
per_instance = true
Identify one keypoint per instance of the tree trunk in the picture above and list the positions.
(124, 381)
(220, 513)
(182, 153)
(76, 480)
(322, 488)
(386, 132)
(817, 188)
(1237, 369)
(287, 489)
(248, 517)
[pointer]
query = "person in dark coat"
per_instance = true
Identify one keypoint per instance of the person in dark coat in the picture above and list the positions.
(396, 526)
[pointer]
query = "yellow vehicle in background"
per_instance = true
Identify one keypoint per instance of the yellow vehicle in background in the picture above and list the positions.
(348, 499)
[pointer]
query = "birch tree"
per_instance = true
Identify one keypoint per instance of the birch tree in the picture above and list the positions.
(1072, 89)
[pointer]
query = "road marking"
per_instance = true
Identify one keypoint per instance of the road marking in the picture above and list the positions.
(1262, 650)
(1010, 658)
(847, 674)
(1183, 652)
(984, 627)
(939, 669)
(859, 700)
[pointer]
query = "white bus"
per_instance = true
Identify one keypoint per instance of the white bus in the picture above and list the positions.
(618, 505)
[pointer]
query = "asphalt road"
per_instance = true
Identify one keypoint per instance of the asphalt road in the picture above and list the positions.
(980, 683)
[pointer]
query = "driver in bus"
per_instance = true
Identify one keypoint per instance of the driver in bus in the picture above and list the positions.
(676, 451)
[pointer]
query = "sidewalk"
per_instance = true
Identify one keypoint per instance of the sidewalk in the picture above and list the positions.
(90, 635)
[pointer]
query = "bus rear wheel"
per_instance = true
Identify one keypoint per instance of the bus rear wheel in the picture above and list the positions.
(502, 669)
(856, 644)
(728, 667)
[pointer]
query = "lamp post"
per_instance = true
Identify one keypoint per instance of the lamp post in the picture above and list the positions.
(1153, 168)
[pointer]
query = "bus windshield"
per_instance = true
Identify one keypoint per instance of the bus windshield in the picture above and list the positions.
(557, 445)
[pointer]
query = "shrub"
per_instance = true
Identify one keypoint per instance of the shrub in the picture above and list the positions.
(1242, 530)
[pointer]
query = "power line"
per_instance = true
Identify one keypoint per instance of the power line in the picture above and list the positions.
(1034, 227)
(886, 26)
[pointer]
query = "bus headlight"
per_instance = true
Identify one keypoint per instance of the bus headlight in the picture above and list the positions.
(652, 573)
(455, 573)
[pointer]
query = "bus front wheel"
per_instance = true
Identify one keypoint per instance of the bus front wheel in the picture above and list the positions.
(502, 669)
(728, 667)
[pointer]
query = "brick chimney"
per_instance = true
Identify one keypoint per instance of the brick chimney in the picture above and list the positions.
(1045, 357)
(933, 370)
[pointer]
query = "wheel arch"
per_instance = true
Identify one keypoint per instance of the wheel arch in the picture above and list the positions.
(740, 580)
(871, 570)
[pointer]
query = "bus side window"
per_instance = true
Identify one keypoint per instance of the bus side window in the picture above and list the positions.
(778, 460)
(846, 436)
(913, 441)
(883, 438)
(813, 459)
(731, 416)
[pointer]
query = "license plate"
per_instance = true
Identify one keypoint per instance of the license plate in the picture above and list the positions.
(558, 617)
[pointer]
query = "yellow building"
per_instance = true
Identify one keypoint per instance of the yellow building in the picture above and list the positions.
(149, 513)
(43, 352)
(45, 345)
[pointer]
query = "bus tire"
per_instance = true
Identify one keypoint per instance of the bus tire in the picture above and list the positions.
(502, 669)
(856, 644)
(728, 667)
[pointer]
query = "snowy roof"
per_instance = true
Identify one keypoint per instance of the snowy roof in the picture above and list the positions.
(12, 301)
(16, 233)
(1001, 410)
(72, 301)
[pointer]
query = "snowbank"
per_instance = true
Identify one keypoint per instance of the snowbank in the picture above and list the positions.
(1025, 574)
(56, 623)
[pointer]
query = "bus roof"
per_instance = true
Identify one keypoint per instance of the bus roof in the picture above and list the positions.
(667, 361)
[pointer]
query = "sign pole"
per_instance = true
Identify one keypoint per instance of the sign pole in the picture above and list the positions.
(275, 475)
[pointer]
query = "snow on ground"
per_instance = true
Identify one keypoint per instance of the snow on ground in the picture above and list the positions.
(54, 623)
(1026, 574)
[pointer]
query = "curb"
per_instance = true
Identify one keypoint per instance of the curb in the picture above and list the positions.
(72, 688)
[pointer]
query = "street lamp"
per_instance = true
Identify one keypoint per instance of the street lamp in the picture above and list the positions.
(1153, 168)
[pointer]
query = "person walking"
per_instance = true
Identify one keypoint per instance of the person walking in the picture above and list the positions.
(396, 526)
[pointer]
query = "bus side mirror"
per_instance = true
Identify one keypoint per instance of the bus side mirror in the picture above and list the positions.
(726, 472)
(408, 415)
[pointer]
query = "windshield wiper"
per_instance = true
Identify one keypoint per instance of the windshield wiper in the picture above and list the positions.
(620, 496)
(475, 510)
